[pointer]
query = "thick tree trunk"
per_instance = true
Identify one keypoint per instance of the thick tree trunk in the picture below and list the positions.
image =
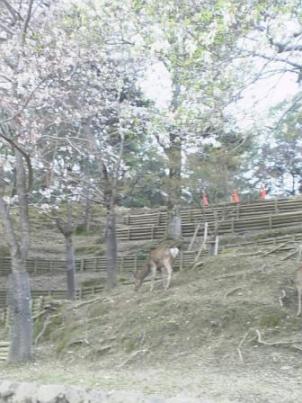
(70, 267)
(19, 302)
(19, 293)
(111, 247)
(174, 224)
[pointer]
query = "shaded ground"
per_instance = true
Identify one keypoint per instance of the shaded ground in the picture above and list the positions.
(199, 339)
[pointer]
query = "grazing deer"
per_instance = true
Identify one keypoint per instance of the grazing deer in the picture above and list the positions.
(299, 288)
(160, 258)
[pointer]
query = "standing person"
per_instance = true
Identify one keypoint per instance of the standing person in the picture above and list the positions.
(205, 200)
(262, 193)
(235, 197)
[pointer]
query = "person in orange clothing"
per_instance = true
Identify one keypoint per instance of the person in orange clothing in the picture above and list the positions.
(262, 193)
(205, 200)
(235, 197)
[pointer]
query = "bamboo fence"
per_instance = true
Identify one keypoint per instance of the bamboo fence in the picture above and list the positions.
(218, 212)
(233, 225)
(98, 264)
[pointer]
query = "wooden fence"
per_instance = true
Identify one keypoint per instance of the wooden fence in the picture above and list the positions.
(231, 225)
(98, 264)
(81, 293)
(218, 212)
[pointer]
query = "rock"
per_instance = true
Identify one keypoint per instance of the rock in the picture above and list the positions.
(60, 394)
(25, 392)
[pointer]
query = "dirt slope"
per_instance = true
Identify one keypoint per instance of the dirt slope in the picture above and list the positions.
(200, 338)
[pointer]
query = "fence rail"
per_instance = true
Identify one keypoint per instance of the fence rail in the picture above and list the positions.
(218, 212)
(98, 264)
(231, 225)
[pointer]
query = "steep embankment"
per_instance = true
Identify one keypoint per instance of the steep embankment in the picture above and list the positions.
(205, 313)
(220, 324)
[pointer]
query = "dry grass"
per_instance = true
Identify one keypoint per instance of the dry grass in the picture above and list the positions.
(197, 337)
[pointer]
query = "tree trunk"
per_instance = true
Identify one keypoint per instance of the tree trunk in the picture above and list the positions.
(70, 267)
(174, 155)
(19, 302)
(19, 293)
(111, 247)
(174, 224)
(87, 214)
(67, 229)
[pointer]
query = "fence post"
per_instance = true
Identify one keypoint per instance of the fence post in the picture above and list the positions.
(158, 218)
(276, 205)
(181, 261)
(82, 265)
(35, 266)
(135, 262)
(270, 223)
(216, 245)
(152, 231)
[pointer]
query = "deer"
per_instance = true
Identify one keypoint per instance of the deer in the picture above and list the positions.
(160, 258)
(299, 288)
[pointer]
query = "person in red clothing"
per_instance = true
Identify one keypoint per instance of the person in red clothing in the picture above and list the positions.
(235, 197)
(205, 200)
(262, 193)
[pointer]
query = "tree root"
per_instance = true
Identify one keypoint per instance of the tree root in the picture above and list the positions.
(286, 343)
(240, 344)
(132, 356)
(290, 343)
(197, 264)
(47, 321)
(281, 298)
(232, 292)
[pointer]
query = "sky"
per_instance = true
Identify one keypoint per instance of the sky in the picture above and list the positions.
(258, 99)
(253, 107)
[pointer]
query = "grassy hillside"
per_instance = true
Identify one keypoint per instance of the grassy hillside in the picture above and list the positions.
(208, 319)
(206, 312)
(48, 243)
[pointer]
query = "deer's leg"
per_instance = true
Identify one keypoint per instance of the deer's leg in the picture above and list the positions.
(169, 270)
(299, 300)
(163, 275)
(153, 274)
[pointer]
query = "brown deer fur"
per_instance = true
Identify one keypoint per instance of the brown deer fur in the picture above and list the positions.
(160, 258)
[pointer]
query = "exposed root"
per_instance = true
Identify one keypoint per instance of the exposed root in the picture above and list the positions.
(232, 291)
(240, 345)
(281, 298)
(197, 264)
(133, 356)
(291, 343)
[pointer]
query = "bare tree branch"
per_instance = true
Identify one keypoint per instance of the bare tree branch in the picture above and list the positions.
(14, 13)
(18, 113)
(27, 20)
(7, 30)
(272, 58)
(15, 146)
